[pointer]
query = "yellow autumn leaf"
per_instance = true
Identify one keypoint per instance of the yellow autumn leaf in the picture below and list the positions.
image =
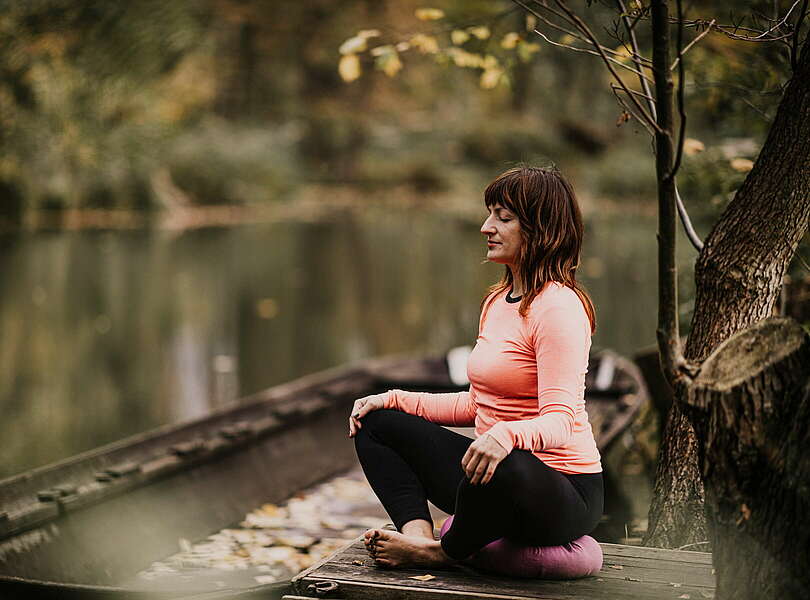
(481, 32)
(526, 49)
(691, 146)
(510, 40)
(380, 50)
(567, 39)
(426, 44)
(353, 45)
(349, 67)
(368, 33)
(489, 62)
(388, 62)
(402, 46)
(429, 14)
(490, 78)
(459, 36)
(742, 165)
(465, 59)
(531, 22)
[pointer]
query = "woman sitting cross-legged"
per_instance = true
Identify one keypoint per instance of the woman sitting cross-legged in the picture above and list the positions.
(533, 473)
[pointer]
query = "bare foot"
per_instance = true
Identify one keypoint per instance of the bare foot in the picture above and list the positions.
(393, 549)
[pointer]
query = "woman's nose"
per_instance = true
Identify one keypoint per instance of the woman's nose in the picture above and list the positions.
(487, 226)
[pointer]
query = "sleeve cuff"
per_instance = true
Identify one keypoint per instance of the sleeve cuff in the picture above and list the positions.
(501, 434)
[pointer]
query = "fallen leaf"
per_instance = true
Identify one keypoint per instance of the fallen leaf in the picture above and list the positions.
(424, 577)
(357, 562)
(675, 584)
(684, 597)
(631, 579)
(617, 567)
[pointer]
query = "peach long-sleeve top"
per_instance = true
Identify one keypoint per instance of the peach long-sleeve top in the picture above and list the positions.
(527, 381)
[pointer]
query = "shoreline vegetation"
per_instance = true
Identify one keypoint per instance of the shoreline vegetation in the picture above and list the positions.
(312, 203)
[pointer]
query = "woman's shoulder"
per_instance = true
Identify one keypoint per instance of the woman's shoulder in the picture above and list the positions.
(557, 298)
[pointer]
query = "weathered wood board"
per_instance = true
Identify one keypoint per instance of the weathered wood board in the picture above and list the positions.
(629, 572)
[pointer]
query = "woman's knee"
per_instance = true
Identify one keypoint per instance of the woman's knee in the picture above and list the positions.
(512, 472)
(379, 419)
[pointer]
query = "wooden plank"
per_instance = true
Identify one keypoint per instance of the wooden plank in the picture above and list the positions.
(657, 553)
(645, 573)
(584, 589)
(645, 570)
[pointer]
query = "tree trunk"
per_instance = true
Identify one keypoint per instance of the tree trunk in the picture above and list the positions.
(750, 405)
(738, 276)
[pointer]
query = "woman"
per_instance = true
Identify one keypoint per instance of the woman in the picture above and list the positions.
(533, 473)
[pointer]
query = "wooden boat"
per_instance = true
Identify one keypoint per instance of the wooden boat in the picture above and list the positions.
(79, 527)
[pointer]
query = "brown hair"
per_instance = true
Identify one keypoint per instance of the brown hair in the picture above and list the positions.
(551, 230)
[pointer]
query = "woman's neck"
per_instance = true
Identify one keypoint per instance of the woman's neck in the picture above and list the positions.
(517, 284)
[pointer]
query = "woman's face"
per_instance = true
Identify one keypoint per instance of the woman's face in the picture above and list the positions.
(502, 229)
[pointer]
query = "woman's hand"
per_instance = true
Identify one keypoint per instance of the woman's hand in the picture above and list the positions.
(482, 458)
(361, 408)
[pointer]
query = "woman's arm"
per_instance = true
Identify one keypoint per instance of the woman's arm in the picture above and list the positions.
(561, 339)
(456, 409)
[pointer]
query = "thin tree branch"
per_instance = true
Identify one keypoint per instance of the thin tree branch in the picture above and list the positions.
(692, 43)
(588, 51)
(589, 34)
(794, 47)
(681, 102)
(615, 89)
(781, 21)
(691, 234)
(576, 36)
(636, 53)
(632, 91)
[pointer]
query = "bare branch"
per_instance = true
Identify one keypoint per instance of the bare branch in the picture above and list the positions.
(632, 91)
(587, 51)
(781, 22)
(690, 232)
(629, 109)
(589, 34)
(692, 43)
(576, 36)
(794, 46)
(681, 101)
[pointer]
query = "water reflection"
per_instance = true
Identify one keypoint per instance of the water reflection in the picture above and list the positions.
(108, 334)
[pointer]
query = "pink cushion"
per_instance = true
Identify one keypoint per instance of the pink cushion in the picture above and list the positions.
(579, 558)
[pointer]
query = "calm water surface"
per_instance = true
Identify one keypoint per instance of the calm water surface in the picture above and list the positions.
(108, 334)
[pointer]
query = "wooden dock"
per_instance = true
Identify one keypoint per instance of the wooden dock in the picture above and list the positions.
(629, 572)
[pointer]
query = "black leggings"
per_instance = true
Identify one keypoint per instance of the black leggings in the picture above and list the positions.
(408, 461)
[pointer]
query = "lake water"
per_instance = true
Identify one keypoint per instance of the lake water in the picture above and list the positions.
(106, 334)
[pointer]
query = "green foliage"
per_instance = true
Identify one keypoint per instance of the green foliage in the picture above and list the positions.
(99, 98)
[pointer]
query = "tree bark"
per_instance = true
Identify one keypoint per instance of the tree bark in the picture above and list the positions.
(738, 276)
(750, 406)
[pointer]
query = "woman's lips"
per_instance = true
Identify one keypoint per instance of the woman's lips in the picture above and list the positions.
(490, 244)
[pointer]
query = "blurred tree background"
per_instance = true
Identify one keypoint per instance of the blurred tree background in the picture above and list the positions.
(150, 104)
